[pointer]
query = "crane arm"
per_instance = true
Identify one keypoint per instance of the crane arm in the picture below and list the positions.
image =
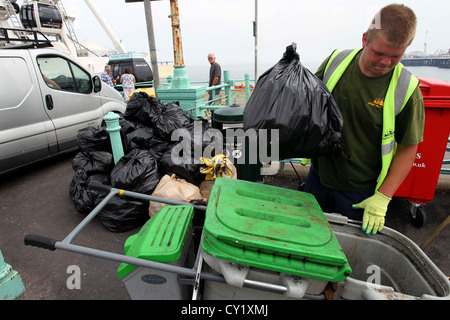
(118, 45)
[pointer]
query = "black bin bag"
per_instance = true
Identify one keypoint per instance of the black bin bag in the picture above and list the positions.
(122, 214)
(290, 98)
(143, 108)
(136, 171)
(94, 138)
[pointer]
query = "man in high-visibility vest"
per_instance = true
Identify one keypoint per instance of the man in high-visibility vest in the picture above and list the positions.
(383, 111)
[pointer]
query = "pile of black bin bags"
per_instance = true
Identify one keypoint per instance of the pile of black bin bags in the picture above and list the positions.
(146, 129)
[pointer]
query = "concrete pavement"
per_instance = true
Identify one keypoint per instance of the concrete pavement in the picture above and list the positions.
(35, 200)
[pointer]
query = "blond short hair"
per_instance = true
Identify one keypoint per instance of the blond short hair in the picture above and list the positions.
(396, 23)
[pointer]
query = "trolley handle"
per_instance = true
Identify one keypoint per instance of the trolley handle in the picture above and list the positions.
(99, 186)
(40, 241)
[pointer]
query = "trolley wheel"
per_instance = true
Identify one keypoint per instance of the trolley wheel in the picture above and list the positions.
(417, 215)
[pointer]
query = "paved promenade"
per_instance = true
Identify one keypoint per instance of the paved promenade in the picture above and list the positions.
(36, 200)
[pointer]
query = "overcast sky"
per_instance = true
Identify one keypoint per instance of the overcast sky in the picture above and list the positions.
(225, 27)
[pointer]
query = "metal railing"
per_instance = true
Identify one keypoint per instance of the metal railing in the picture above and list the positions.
(137, 85)
(232, 92)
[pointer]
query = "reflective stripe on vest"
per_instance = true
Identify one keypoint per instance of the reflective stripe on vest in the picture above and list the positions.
(400, 89)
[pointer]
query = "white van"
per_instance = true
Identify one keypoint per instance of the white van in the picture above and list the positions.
(46, 97)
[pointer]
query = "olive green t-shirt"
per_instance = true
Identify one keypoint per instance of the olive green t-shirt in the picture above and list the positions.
(360, 99)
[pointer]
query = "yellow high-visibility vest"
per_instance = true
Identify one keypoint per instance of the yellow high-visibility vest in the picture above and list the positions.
(402, 85)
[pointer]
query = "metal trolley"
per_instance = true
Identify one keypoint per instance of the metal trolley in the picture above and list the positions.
(403, 271)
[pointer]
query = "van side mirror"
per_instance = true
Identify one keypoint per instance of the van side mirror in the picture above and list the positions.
(97, 84)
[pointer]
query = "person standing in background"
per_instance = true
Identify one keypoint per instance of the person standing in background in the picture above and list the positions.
(127, 80)
(106, 76)
(215, 73)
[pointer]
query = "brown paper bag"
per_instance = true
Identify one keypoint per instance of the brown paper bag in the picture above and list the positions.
(169, 187)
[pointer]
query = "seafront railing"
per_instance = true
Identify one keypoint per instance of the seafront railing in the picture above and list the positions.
(137, 85)
(234, 91)
(231, 91)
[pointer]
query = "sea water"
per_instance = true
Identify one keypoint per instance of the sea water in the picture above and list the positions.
(237, 72)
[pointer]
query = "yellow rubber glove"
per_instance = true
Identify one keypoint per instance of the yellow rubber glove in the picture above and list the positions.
(375, 208)
(215, 167)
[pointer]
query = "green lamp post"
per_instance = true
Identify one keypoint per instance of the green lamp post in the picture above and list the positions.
(11, 285)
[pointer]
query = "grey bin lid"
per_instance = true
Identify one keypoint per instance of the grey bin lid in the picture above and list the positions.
(230, 114)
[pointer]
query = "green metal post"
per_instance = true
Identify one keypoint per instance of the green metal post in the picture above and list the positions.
(168, 84)
(226, 79)
(179, 89)
(113, 127)
(180, 78)
(247, 87)
(11, 285)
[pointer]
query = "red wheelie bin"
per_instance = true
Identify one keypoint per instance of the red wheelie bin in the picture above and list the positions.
(420, 185)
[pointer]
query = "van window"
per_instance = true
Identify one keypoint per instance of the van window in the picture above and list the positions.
(118, 69)
(15, 82)
(61, 74)
(139, 68)
(115, 72)
(143, 71)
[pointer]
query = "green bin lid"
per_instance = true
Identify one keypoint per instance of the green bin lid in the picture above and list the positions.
(272, 228)
(230, 114)
(160, 239)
